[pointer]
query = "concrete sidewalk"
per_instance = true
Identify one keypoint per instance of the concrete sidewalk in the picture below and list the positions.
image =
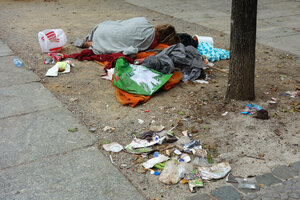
(278, 21)
(39, 158)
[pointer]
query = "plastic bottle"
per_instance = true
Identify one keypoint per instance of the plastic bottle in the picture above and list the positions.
(18, 62)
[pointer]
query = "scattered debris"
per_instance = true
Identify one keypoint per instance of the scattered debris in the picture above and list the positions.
(109, 74)
(174, 171)
(225, 113)
(113, 147)
(216, 171)
(153, 161)
(108, 129)
(251, 109)
(73, 130)
(262, 114)
(157, 128)
(92, 130)
(247, 183)
(60, 67)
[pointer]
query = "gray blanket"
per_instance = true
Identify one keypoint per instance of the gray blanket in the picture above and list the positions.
(122, 36)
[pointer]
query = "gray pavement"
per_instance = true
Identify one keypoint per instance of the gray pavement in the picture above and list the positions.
(39, 158)
(278, 21)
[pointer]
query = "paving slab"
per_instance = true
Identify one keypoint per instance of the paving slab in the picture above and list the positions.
(201, 197)
(285, 172)
(278, 21)
(267, 179)
(296, 165)
(5, 50)
(25, 98)
(37, 135)
(10, 74)
(80, 174)
(226, 193)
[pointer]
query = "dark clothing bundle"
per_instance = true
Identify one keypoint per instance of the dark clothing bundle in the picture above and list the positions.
(187, 40)
(187, 59)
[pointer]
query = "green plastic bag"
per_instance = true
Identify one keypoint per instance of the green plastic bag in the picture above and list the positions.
(138, 79)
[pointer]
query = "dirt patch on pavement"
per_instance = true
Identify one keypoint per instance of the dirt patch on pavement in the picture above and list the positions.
(198, 107)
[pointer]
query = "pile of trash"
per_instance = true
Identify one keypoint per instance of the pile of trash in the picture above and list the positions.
(171, 158)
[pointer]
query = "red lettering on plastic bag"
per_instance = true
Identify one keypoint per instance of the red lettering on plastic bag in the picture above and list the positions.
(52, 36)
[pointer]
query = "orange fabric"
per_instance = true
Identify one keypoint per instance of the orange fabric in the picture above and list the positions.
(173, 81)
(104, 63)
(145, 54)
(132, 100)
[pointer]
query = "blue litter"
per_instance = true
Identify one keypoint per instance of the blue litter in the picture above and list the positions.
(251, 109)
(211, 53)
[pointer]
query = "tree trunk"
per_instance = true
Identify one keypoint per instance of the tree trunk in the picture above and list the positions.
(242, 49)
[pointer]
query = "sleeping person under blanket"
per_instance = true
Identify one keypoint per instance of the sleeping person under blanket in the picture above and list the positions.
(128, 36)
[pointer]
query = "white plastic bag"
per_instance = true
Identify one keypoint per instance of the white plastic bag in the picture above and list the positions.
(52, 40)
(174, 171)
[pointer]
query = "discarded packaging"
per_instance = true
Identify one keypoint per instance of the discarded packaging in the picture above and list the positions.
(160, 166)
(207, 39)
(147, 136)
(231, 179)
(108, 129)
(292, 94)
(140, 121)
(251, 109)
(183, 140)
(153, 161)
(109, 74)
(225, 113)
(62, 67)
(195, 183)
(201, 81)
(193, 145)
(202, 162)
(177, 152)
(139, 150)
(174, 171)
(52, 40)
(246, 183)
(200, 153)
(113, 147)
(216, 171)
(157, 128)
(139, 143)
(185, 157)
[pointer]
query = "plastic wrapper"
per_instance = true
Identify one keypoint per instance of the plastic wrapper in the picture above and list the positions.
(113, 147)
(193, 145)
(216, 171)
(139, 143)
(195, 183)
(251, 109)
(153, 161)
(199, 153)
(139, 150)
(201, 162)
(61, 67)
(174, 171)
(185, 157)
(246, 183)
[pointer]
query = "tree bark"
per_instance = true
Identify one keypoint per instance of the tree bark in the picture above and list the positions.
(241, 76)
